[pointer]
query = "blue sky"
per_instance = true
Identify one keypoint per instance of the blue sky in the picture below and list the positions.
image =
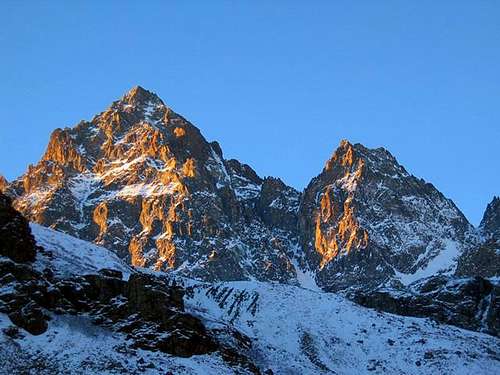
(278, 84)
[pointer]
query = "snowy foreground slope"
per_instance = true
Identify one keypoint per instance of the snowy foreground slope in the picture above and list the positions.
(292, 330)
(299, 331)
(73, 345)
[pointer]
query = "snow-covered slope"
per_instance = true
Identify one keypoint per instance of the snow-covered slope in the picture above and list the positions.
(67, 255)
(299, 331)
(290, 330)
(73, 342)
(73, 345)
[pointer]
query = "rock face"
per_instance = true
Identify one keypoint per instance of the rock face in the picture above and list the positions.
(365, 220)
(3, 183)
(141, 180)
(145, 308)
(483, 260)
(471, 303)
(16, 243)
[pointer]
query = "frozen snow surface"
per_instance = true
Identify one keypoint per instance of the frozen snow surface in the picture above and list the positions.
(444, 263)
(294, 330)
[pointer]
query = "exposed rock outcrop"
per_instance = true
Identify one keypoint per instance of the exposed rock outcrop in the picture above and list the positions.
(146, 308)
(3, 183)
(16, 241)
(471, 303)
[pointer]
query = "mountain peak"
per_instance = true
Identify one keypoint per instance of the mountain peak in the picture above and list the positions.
(138, 91)
(143, 180)
(490, 224)
(365, 202)
(139, 95)
(349, 156)
(344, 143)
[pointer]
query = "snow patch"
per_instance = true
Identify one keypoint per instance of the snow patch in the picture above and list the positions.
(147, 190)
(443, 263)
(72, 256)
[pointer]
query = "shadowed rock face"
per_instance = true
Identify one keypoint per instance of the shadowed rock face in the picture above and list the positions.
(364, 220)
(484, 259)
(19, 246)
(471, 303)
(141, 180)
(16, 241)
(490, 224)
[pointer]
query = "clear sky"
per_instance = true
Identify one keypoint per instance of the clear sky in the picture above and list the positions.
(277, 83)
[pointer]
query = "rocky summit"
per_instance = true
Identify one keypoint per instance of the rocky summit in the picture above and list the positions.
(365, 220)
(490, 225)
(142, 181)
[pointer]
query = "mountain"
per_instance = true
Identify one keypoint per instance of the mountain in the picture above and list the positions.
(149, 252)
(141, 180)
(61, 313)
(364, 220)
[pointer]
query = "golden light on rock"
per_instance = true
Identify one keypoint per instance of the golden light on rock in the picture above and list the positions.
(179, 132)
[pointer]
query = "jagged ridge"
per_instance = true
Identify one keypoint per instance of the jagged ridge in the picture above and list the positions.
(141, 180)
